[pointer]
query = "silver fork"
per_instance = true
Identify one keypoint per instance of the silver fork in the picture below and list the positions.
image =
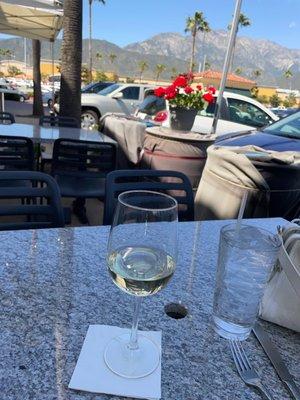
(245, 370)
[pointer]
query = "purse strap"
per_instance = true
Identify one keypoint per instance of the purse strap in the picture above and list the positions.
(290, 269)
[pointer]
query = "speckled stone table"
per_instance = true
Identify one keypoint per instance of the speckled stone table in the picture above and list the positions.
(54, 283)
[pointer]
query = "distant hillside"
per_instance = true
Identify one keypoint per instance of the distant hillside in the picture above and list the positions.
(173, 50)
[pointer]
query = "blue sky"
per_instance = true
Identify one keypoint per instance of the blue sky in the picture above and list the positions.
(126, 21)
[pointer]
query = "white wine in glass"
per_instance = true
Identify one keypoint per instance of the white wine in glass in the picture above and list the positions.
(142, 255)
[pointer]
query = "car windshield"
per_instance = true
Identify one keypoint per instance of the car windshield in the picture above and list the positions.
(289, 126)
(87, 87)
(152, 105)
(109, 89)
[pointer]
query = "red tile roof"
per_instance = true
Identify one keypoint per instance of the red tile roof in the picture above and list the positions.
(209, 74)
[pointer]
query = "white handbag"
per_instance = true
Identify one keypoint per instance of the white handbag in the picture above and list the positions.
(281, 300)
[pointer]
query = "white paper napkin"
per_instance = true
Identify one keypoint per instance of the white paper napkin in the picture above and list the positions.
(92, 375)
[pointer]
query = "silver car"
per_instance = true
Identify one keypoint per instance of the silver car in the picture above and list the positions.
(118, 98)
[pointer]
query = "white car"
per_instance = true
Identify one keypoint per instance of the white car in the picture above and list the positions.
(238, 113)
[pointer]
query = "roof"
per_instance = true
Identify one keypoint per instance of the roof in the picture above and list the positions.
(209, 74)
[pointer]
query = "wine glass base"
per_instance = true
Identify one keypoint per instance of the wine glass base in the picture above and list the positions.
(132, 363)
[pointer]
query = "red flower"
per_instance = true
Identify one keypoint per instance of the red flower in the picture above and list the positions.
(188, 90)
(199, 87)
(160, 92)
(212, 90)
(170, 92)
(208, 97)
(180, 81)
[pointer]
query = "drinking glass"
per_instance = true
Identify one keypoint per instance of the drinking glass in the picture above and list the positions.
(246, 259)
(141, 259)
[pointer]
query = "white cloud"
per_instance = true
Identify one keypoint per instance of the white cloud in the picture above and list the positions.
(292, 24)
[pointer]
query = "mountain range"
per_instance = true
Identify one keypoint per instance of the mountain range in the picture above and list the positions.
(174, 50)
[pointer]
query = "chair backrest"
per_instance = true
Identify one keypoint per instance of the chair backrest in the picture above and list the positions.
(83, 158)
(16, 153)
(7, 118)
(172, 182)
(28, 188)
(53, 120)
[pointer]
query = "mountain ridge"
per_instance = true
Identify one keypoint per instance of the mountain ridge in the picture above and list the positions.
(173, 49)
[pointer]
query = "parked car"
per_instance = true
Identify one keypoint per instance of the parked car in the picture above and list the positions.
(95, 87)
(13, 94)
(283, 135)
(117, 98)
(284, 112)
(237, 113)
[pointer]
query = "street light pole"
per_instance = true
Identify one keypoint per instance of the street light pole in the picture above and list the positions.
(230, 49)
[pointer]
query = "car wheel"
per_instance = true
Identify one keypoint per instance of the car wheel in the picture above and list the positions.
(50, 103)
(22, 99)
(89, 119)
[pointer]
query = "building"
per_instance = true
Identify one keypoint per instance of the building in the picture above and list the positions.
(234, 83)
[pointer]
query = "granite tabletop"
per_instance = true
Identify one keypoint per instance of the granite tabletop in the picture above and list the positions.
(49, 134)
(54, 283)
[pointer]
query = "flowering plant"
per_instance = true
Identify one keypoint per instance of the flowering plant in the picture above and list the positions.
(181, 94)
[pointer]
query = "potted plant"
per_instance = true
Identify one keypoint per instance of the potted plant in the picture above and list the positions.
(185, 101)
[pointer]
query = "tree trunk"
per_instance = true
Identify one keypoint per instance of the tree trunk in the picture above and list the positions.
(70, 90)
(38, 109)
(193, 53)
(90, 42)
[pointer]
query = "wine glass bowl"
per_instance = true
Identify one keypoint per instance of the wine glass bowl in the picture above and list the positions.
(142, 255)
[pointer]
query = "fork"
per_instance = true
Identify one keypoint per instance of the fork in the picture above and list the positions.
(245, 370)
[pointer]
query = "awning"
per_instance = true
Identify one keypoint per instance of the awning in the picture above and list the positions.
(40, 19)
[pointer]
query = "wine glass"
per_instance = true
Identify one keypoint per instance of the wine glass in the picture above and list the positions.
(141, 259)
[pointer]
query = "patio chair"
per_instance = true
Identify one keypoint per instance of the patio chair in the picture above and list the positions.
(63, 122)
(6, 118)
(56, 121)
(16, 153)
(172, 182)
(80, 167)
(29, 214)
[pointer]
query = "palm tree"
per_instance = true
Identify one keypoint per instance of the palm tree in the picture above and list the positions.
(143, 65)
(90, 37)
(71, 50)
(38, 108)
(174, 72)
(256, 73)
(99, 56)
(160, 68)
(238, 71)
(288, 75)
(112, 57)
(244, 21)
(196, 24)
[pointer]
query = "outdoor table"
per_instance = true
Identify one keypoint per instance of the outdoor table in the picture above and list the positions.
(41, 134)
(54, 283)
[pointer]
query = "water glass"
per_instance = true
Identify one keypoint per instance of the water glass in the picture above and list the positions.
(245, 262)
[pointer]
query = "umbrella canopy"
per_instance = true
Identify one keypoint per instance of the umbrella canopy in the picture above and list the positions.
(40, 19)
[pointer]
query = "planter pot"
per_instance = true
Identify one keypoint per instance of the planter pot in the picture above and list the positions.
(182, 119)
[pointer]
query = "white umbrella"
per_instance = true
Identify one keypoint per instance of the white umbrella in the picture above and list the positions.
(31, 21)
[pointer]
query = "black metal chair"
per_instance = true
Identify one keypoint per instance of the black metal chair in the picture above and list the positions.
(7, 118)
(54, 120)
(172, 182)
(16, 153)
(80, 167)
(30, 214)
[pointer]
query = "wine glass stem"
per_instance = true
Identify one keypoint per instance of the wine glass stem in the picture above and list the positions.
(133, 344)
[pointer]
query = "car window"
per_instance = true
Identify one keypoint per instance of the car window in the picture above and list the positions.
(209, 109)
(131, 93)
(152, 105)
(109, 89)
(246, 113)
(289, 126)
